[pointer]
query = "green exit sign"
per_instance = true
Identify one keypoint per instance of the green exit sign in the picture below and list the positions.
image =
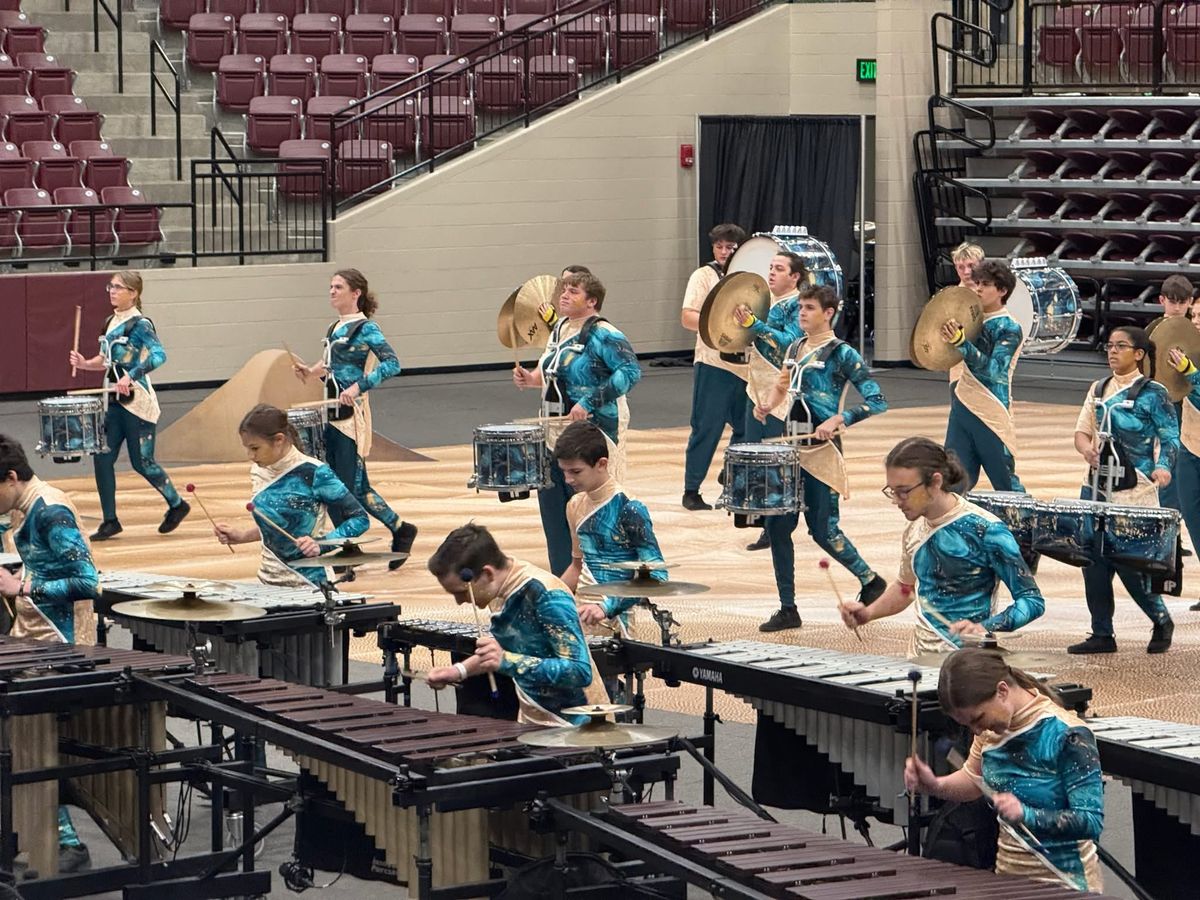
(866, 70)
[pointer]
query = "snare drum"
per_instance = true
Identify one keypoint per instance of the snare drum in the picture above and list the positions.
(310, 428)
(1016, 510)
(1069, 530)
(71, 427)
(762, 480)
(755, 255)
(1046, 303)
(511, 458)
(1141, 537)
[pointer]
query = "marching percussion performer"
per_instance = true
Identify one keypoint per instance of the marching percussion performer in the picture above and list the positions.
(771, 339)
(1125, 417)
(293, 493)
(965, 256)
(815, 375)
(587, 368)
(129, 352)
(59, 573)
(536, 637)
(349, 343)
(953, 557)
(981, 430)
(1036, 762)
(718, 383)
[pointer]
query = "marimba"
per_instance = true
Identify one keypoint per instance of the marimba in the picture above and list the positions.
(431, 790)
(853, 708)
(775, 860)
(291, 641)
(59, 697)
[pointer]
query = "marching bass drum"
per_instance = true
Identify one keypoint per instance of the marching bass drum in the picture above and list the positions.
(755, 255)
(1046, 303)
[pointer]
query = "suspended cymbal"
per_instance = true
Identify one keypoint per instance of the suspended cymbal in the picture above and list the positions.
(348, 543)
(1175, 332)
(636, 565)
(642, 587)
(597, 710)
(519, 314)
(188, 609)
(350, 556)
(183, 588)
(929, 350)
(718, 329)
(598, 734)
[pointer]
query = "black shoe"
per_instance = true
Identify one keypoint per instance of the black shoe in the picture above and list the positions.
(785, 617)
(1186, 552)
(762, 543)
(1195, 607)
(693, 501)
(1160, 637)
(402, 541)
(174, 516)
(108, 528)
(73, 858)
(1095, 643)
(871, 590)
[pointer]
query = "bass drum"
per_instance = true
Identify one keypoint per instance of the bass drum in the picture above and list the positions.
(755, 256)
(1046, 303)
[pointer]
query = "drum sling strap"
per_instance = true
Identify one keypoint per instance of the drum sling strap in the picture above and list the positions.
(799, 415)
(1110, 453)
(332, 390)
(554, 398)
(120, 371)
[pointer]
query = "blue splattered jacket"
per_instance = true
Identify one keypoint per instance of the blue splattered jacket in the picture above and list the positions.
(347, 358)
(990, 356)
(593, 372)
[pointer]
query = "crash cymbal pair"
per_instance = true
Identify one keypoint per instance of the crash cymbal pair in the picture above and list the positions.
(519, 323)
(927, 347)
(1177, 331)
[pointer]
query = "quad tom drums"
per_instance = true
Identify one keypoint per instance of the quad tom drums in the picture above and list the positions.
(512, 459)
(1046, 303)
(1079, 532)
(754, 255)
(1016, 510)
(71, 427)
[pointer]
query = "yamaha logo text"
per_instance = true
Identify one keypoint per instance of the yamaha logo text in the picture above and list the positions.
(710, 675)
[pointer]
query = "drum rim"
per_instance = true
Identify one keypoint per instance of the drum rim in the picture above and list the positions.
(514, 428)
(304, 415)
(61, 404)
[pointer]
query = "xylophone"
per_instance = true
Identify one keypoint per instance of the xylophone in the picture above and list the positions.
(291, 641)
(431, 790)
(769, 859)
(852, 708)
(55, 698)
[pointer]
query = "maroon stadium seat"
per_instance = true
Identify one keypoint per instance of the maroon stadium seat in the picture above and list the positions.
(22, 119)
(479, 7)
(46, 75)
(343, 75)
(449, 75)
(235, 8)
(361, 165)
(1166, 248)
(1169, 165)
(16, 171)
(685, 15)
(393, 8)
(390, 68)
(298, 179)
(1127, 165)
(12, 79)
(174, 15)
(634, 39)
(73, 120)
(421, 34)
(240, 77)
(86, 229)
(1100, 37)
(370, 35)
(209, 37)
(499, 83)
(316, 34)
(530, 7)
(38, 229)
(1127, 123)
(137, 219)
(582, 38)
(19, 35)
(1083, 205)
(263, 34)
(270, 121)
(1040, 243)
(55, 168)
(471, 31)
(392, 120)
(1058, 39)
(446, 123)
(1182, 42)
(292, 75)
(1173, 124)
(538, 35)
(318, 122)
(1122, 206)
(1086, 122)
(101, 167)
(1170, 208)
(343, 9)
(552, 78)
(1038, 205)
(289, 9)
(443, 8)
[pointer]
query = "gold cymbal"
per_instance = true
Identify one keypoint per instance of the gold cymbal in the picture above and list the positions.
(346, 556)
(1175, 332)
(641, 587)
(182, 587)
(1154, 324)
(598, 734)
(348, 543)
(597, 710)
(929, 350)
(636, 565)
(718, 329)
(188, 609)
(519, 313)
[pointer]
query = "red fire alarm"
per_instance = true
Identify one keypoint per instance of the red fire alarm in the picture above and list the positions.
(687, 156)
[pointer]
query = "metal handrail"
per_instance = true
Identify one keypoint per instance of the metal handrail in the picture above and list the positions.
(118, 20)
(172, 98)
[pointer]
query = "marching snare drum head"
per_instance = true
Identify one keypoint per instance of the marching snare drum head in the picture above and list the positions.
(510, 433)
(1001, 499)
(760, 454)
(70, 405)
(304, 418)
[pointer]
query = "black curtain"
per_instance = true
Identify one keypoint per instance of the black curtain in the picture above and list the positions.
(761, 171)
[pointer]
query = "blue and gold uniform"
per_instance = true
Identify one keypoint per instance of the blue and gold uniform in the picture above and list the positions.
(296, 493)
(591, 364)
(817, 374)
(130, 346)
(771, 341)
(981, 430)
(349, 346)
(546, 655)
(1049, 761)
(956, 563)
(1137, 412)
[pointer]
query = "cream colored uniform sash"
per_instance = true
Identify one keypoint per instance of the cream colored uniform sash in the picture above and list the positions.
(983, 403)
(357, 427)
(272, 569)
(823, 460)
(1189, 428)
(762, 374)
(143, 402)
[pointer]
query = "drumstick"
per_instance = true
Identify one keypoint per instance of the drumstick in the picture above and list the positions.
(841, 604)
(296, 361)
(78, 392)
(512, 327)
(468, 576)
(914, 675)
(75, 347)
(262, 517)
(191, 489)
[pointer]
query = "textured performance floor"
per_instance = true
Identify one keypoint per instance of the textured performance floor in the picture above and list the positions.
(707, 549)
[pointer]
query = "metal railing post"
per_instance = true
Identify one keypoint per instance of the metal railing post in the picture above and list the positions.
(241, 196)
(1027, 51)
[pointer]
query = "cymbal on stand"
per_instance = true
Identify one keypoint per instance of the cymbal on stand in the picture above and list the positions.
(188, 609)
(637, 565)
(642, 587)
(929, 349)
(718, 328)
(598, 733)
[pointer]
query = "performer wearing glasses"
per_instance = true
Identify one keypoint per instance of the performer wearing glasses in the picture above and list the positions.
(954, 555)
(1128, 433)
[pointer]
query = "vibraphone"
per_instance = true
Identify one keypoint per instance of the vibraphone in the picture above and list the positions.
(748, 857)
(62, 705)
(425, 786)
(291, 641)
(854, 709)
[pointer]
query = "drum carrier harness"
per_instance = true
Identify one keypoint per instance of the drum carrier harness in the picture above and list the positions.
(333, 390)
(554, 399)
(115, 370)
